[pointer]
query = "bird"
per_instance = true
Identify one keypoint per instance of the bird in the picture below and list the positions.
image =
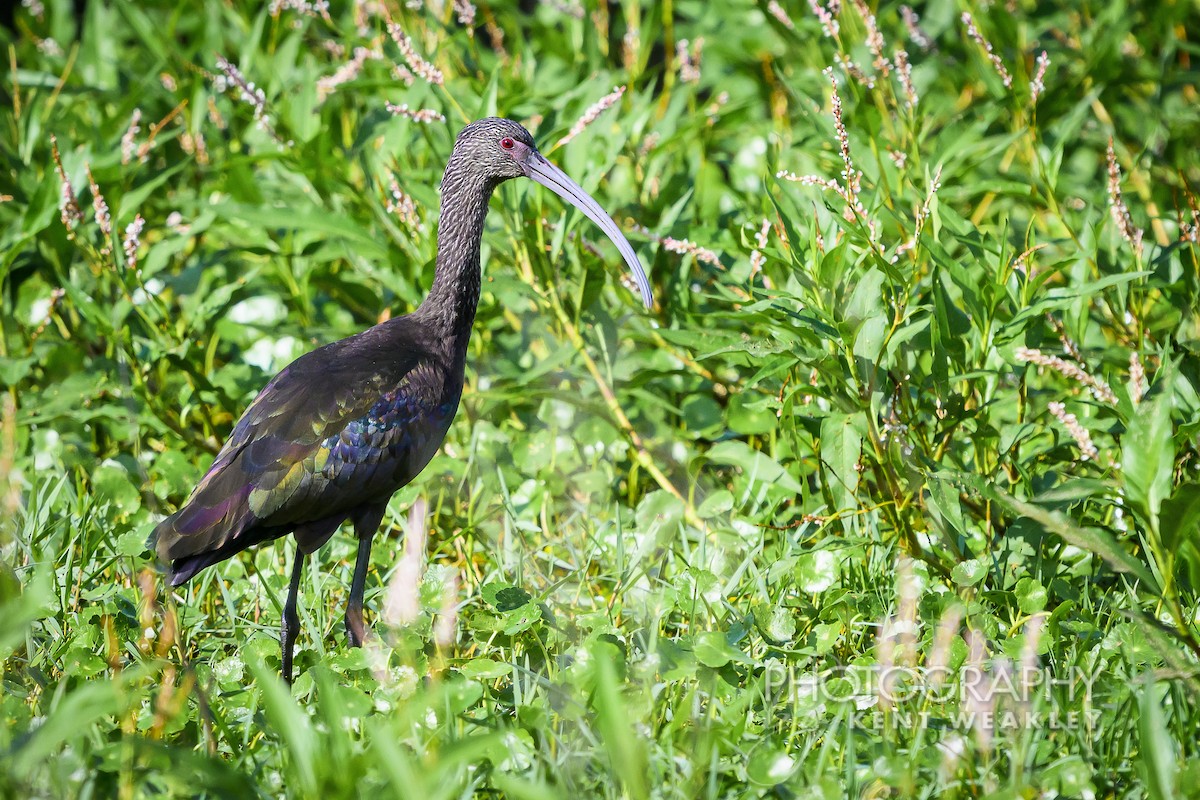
(338, 431)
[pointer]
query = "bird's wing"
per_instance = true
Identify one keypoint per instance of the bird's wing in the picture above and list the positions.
(325, 429)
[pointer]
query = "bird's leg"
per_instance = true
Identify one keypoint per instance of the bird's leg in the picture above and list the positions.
(366, 523)
(291, 620)
(355, 630)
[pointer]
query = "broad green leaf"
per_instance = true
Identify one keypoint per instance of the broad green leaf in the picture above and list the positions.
(626, 749)
(69, 719)
(777, 624)
(826, 635)
(1031, 595)
(769, 766)
(841, 446)
(521, 618)
(1180, 518)
(944, 500)
(14, 370)
(1148, 457)
(1157, 746)
(866, 301)
(717, 503)
(113, 484)
(750, 415)
(969, 572)
(816, 571)
(505, 597)
(1093, 540)
(712, 649)
(485, 669)
(755, 464)
(308, 220)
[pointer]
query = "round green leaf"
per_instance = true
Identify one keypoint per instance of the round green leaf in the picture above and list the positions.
(1031, 595)
(712, 650)
(484, 669)
(969, 573)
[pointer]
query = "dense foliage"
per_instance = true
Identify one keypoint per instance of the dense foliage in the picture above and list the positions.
(895, 492)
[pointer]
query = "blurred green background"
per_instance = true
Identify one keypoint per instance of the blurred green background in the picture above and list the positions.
(924, 414)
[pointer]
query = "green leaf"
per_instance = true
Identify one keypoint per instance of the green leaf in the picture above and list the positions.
(751, 415)
(521, 618)
(1062, 298)
(719, 502)
(113, 484)
(841, 446)
(777, 624)
(701, 414)
(1148, 457)
(1179, 521)
(131, 543)
(505, 597)
(1073, 490)
(518, 788)
(866, 301)
(10, 585)
(944, 501)
(1093, 540)
(661, 512)
(713, 650)
(289, 722)
(1157, 745)
(133, 200)
(309, 220)
(868, 341)
(816, 570)
(485, 669)
(627, 751)
(1031, 595)
(14, 370)
(969, 572)
(349, 660)
(1070, 777)
(826, 636)
(769, 766)
(757, 465)
(69, 719)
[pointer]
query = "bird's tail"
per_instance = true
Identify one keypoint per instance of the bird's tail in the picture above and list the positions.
(200, 534)
(182, 570)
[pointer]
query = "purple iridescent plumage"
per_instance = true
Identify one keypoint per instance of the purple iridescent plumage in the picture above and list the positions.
(339, 430)
(341, 427)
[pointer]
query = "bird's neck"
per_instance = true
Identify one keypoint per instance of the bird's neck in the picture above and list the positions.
(454, 296)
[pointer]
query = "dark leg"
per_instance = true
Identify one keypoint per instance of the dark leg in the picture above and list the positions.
(355, 629)
(366, 523)
(291, 620)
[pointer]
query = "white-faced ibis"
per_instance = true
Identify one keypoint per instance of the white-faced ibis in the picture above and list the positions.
(340, 429)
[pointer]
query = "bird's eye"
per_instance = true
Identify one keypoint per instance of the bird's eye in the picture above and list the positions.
(507, 143)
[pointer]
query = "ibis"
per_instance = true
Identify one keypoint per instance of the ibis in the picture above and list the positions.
(340, 429)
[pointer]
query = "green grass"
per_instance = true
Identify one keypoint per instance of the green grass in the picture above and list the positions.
(683, 540)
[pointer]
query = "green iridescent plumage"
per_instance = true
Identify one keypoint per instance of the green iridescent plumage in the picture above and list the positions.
(322, 438)
(338, 431)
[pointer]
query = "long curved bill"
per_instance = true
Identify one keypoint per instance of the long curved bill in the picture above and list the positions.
(554, 179)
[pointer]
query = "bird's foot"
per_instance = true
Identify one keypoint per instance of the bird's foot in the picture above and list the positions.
(356, 631)
(287, 647)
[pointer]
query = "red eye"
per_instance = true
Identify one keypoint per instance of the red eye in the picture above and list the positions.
(507, 143)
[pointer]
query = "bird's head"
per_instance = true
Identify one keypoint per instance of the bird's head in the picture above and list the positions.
(495, 148)
(501, 149)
